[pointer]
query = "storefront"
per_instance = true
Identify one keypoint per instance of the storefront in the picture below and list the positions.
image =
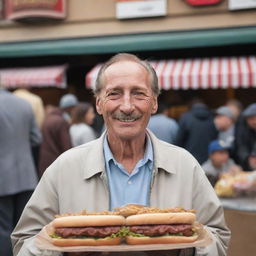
(218, 73)
(85, 33)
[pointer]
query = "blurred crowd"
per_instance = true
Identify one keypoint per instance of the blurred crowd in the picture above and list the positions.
(33, 136)
(222, 140)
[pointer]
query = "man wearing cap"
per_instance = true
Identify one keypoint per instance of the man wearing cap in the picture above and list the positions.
(67, 103)
(245, 137)
(55, 130)
(224, 123)
(218, 162)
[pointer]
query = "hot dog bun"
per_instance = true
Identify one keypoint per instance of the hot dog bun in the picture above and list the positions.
(161, 218)
(160, 239)
(88, 220)
(86, 242)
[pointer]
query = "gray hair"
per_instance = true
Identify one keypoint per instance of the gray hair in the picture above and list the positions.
(127, 57)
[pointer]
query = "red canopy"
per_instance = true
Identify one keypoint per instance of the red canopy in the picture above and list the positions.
(200, 73)
(54, 76)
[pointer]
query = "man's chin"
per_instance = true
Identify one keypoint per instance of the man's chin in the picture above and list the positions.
(127, 133)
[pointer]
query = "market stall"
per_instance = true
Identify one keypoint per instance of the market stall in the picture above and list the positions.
(240, 216)
(237, 193)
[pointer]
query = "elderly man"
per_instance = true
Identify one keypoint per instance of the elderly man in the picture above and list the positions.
(127, 164)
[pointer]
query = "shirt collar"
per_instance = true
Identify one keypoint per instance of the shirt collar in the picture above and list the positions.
(163, 158)
(148, 155)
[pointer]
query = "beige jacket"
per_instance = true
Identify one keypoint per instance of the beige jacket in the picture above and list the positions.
(77, 180)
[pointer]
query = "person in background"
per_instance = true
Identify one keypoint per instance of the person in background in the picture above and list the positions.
(196, 130)
(219, 161)
(252, 161)
(18, 132)
(224, 122)
(36, 103)
(236, 108)
(66, 104)
(127, 164)
(55, 130)
(98, 125)
(82, 117)
(38, 108)
(164, 127)
(245, 136)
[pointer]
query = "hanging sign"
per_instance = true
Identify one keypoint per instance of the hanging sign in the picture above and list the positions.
(127, 9)
(1, 9)
(36, 9)
(202, 2)
(241, 4)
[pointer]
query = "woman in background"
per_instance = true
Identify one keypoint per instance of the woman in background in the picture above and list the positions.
(80, 130)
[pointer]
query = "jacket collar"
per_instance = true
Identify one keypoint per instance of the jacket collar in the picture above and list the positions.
(95, 162)
(163, 159)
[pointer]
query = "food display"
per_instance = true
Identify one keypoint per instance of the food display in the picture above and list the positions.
(132, 224)
(236, 184)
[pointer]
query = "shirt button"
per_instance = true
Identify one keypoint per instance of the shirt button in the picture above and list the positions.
(129, 182)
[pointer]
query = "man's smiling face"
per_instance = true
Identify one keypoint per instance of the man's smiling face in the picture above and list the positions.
(126, 100)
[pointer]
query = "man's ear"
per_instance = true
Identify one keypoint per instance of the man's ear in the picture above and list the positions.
(98, 105)
(155, 106)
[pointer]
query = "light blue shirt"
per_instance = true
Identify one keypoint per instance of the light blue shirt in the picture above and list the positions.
(129, 188)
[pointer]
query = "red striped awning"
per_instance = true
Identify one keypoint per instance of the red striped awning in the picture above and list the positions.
(54, 76)
(200, 73)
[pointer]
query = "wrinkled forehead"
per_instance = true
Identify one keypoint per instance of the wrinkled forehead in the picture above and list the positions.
(124, 68)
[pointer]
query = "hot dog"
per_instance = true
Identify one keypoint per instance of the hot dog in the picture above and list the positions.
(91, 230)
(161, 228)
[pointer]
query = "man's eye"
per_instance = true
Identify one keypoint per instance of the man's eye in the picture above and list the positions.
(112, 94)
(139, 93)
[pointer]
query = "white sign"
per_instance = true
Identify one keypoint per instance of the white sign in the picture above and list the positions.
(140, 9)
(241, 4)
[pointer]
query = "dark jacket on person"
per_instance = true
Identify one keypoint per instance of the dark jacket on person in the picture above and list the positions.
(196, 131)
(56, 139)
(245, 144)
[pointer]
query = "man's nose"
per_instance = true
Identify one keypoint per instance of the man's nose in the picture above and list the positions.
(127, 105)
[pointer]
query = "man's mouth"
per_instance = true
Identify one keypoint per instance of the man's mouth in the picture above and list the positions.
(126, 118)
